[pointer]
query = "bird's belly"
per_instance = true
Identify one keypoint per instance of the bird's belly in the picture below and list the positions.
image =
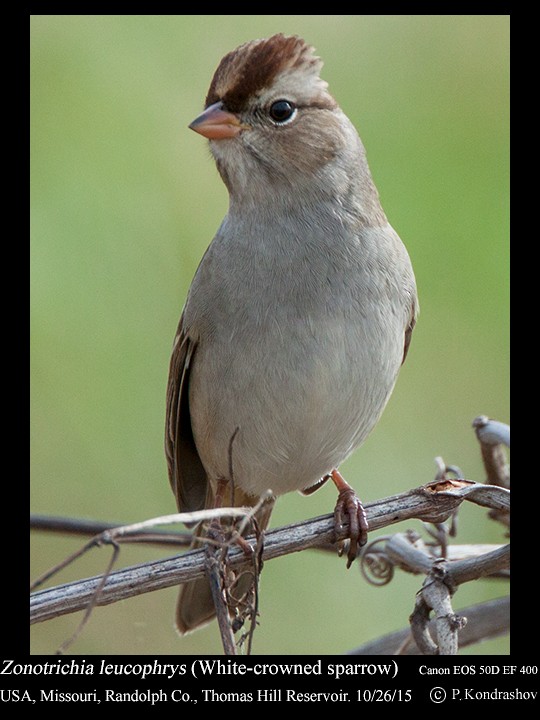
(280, 417)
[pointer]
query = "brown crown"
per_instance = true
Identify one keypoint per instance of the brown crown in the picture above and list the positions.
(253, 66)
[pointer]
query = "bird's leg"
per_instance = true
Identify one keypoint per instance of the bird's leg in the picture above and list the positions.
(215, 531)
(235, 592)
(221, 487)
(216, 525)
(349, 504)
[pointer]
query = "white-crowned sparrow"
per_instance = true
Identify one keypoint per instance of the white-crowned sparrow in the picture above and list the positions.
(301, 311)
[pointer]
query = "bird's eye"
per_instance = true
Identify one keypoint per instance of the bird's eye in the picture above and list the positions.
(282, 110)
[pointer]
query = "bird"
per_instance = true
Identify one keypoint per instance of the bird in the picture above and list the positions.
(301, 311)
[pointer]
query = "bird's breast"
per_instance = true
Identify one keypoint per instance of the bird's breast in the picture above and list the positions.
(295, 362)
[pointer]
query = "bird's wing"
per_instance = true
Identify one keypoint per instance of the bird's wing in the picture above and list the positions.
(186, 472)
(409, 329)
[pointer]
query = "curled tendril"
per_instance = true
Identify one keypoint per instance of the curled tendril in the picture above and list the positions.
(375, 565)
(443, 470)
(240, 600)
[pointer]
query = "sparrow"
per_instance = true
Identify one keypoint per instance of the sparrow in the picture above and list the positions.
(301, 311)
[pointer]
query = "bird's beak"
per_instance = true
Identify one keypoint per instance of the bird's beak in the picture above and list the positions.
(215, 123)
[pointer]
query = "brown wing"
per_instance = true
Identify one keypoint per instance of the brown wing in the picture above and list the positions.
(186, 472)
(409, 329)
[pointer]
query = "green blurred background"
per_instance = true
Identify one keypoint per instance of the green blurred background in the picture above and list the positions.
(125, 200)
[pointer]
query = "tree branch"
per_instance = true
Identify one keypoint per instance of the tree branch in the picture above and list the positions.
(486, 620)
(432, 503)
(79, 526)
(404, 554)
(492, 436)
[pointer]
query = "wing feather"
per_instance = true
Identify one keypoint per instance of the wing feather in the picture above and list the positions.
(186, 472)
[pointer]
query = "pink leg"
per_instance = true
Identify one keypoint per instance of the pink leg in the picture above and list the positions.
(349, 505)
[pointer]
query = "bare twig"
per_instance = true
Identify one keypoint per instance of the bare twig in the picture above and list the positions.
(433, 502)
(78, 526)
(408, 556)
(492, 436)
(86, 616)
(224, 582)
(215, 569)
(407, 551)
(257, 568)
(137, 532)
(491, 432)
(485, 621)
(95, 542)
(435, 596)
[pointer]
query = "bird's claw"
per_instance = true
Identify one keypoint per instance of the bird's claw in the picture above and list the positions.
(349, 505)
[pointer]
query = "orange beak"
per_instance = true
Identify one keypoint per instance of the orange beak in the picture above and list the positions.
(215, 123)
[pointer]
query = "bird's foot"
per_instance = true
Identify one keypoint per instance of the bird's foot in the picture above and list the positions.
(349, 505)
